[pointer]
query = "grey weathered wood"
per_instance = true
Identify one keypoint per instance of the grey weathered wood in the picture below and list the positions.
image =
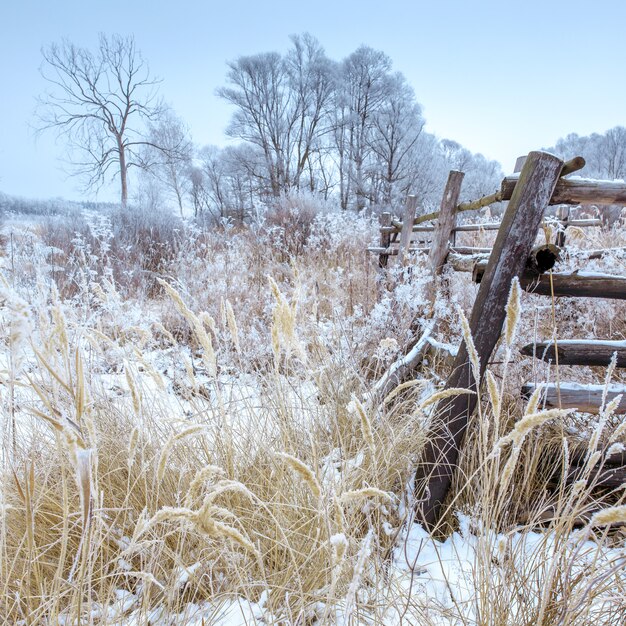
(598, 254)
(446, 221)
(465, 262)
(563, 216)
(513, 245)
(578, 285)
(605, 477)
(540, 260)
(407, 226)
(578, 352)
(519, 163)
(470, 250)
(585, 398)
(394, 251)
(385, 239)
(577, 191)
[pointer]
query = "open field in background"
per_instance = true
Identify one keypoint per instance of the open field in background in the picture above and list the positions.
(188, 434)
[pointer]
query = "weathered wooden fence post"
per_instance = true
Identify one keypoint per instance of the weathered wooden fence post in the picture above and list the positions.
(446, 221)
(514, 242)
(407, 228)
(562, 214)
(385, 239)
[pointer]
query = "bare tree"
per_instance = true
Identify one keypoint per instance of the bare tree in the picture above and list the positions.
(169, 154)
(100, 102)
(281, 104)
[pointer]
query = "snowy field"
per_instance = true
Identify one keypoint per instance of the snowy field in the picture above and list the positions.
(196, 442)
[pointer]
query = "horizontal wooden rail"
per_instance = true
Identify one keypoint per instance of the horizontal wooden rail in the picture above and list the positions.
(577, 352)
(604, 477)
(396, 226)
(395, 251)
(580, 285)
(585, 398)
(576, 191)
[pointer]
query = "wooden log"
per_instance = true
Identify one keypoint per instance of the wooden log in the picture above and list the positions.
(481, 203)
(579, 457)
(573, 165)
(563, 217)
(519, 163)
(572, 352)
(598, 254)
(584, 398)
(400, 369)
(602, 477)
(465, 262)
(466, 228)
(540, 260)
(470, 250)
(394, 251)
(579, 285)
(583, 223)
(385, 239)
(445, 222)
(514, 242)
(577, 191)
(407, 227)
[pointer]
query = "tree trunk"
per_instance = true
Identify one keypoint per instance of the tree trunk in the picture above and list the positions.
(123, 173)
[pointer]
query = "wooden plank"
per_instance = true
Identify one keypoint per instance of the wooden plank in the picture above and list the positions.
(584, 398)
(466, 262)
(573, 352)
(514, 242)
(519, 163)
(563, 217)
(407, 227)
(577, 191)
(385, 239)
(579, 285)
(467, 228)
(603, 477)
(395, 251)
(470, 250)
(446, 221)
(576, 284)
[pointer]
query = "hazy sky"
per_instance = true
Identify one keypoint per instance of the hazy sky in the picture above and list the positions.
(502, 78)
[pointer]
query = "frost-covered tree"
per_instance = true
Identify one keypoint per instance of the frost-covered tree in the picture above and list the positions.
(396, 128)
(281, 103)
(171, 160)
(362, 83)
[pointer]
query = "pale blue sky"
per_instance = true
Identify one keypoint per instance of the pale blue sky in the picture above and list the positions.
(502, 78)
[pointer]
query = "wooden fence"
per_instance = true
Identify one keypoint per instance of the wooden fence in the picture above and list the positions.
(540, 183)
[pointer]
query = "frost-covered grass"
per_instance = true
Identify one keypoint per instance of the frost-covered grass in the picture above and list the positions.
(188, 437)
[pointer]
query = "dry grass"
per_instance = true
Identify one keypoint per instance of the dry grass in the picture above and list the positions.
(206, 436)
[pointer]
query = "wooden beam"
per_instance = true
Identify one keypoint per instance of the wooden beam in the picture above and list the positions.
(577, 191)
(584, 398)
(385, 239)
(465, 262)
(515, 239)
(579, 285)
(605, 477)
(540, 260)
(573, 352)
(477, 227)
(445, 222)
(394, 251)
(469, 250)
(575, 284)
(407, 227)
